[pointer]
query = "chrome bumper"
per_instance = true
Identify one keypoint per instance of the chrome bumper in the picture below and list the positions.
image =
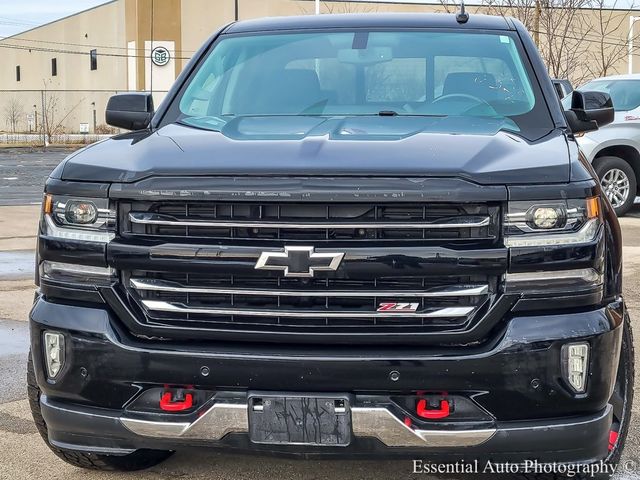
(378, 422)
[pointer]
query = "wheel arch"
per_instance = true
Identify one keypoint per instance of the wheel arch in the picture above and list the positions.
(627, 153)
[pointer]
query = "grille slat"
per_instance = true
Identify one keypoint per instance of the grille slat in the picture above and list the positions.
(447, 312)
(452, 291)
(444, 223)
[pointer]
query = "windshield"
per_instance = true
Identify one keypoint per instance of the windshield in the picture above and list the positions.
(625, 94)
(359, 73)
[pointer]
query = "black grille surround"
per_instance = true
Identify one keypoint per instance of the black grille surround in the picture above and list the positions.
(189, 270)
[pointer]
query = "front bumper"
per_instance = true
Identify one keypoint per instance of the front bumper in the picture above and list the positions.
(530, 413)
(376, 431)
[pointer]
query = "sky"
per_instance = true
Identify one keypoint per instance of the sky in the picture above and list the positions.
(19, 15)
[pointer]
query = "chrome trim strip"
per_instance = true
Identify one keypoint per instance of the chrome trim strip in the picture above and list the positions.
(385, 426)
(586, 234)
(223, 418)
(450, 291)
(181, 308)
(589, 275)
(70, 233)
(215, 423)
(144, 218)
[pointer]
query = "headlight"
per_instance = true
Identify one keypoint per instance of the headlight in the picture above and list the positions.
(562, 222)
(547, 224)
(82, 219)
(81, 212)
(79, 220)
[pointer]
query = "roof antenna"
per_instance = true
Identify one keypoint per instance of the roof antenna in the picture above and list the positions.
(462, 16)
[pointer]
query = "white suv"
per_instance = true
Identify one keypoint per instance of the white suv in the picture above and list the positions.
(614, 150)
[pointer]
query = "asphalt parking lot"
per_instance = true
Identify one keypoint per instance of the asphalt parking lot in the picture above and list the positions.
(23, 172)
(23, 455)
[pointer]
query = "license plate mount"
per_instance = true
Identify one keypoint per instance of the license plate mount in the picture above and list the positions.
(299, 419)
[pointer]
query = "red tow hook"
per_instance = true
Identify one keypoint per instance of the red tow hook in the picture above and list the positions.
(424, 411)
(613, 438)
(180, 403)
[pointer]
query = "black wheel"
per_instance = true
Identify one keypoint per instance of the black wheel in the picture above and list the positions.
(618, 182)
(137, 460)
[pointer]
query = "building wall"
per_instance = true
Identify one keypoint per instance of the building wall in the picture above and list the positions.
(121, 33)
(76, 86)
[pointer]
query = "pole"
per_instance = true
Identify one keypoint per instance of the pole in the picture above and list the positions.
(44, 119)
(150, 60)
(237, 10)
(317, 7)
(632, 20)
(536, 23)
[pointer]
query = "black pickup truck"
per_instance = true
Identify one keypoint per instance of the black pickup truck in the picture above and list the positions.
(337, 235)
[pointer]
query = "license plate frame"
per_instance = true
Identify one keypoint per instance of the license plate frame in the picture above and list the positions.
(291, 419)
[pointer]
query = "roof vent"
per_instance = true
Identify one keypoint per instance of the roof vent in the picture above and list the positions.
(462, 16)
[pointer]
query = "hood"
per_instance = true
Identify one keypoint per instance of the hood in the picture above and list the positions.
(362, 146)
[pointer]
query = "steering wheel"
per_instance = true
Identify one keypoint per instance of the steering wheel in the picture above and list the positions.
(461, 103)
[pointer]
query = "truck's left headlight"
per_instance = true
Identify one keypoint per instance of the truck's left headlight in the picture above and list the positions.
(82, 219)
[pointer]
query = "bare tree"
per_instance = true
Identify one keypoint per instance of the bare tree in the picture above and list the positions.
(53, 117)
(13, 113)
(609, 42)
(558, 27)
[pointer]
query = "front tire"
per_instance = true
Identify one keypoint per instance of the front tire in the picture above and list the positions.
(618, 181)
(138, 460)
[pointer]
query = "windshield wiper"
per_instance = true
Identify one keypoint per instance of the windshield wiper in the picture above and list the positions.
(387, 113)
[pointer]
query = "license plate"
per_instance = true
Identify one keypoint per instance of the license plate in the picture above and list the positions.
(299, 420)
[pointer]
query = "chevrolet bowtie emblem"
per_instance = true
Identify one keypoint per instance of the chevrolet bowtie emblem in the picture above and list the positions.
(299, 261)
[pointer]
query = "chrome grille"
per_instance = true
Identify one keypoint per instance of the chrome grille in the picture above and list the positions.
(319, 222)
(209, 302)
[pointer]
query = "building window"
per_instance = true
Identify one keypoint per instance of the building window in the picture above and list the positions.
(94, 59)
(17, 73)
(54, 67)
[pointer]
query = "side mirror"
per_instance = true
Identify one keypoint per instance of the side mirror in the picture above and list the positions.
(131, 111)
(589, 111)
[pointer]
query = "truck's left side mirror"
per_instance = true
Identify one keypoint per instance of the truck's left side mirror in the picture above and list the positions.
(131, 111)
(589, 111)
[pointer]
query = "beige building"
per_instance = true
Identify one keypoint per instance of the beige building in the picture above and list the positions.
(65, 71)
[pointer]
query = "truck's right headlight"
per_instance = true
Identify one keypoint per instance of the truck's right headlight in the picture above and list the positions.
(82, 219)
(88, 223)
(540, 225)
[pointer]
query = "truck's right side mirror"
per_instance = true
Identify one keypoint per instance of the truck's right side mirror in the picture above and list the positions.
(589, 111)
(131, 111)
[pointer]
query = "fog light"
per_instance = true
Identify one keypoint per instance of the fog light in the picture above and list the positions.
(575, 365)
(54, 352)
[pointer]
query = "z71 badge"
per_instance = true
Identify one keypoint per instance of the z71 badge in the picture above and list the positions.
(397, 307)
